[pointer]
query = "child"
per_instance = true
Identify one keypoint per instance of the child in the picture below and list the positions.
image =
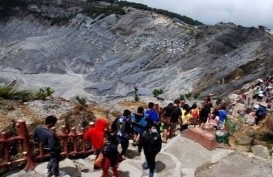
(111, 155)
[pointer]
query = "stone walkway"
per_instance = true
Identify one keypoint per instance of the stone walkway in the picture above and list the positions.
(180, 157)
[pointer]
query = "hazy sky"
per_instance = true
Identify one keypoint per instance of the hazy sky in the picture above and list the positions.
(243, 12)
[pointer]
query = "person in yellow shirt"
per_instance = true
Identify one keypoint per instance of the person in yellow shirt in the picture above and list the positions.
(186, 115)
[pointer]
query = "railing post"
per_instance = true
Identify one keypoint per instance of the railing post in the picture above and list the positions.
(7, 160)
(65, 141)
(23, 133)
(83, 141)
(75, 140)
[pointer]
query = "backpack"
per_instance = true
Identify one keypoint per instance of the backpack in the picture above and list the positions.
(114, 125)
(122, 129)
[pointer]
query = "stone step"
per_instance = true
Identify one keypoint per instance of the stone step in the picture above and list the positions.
(179, 157)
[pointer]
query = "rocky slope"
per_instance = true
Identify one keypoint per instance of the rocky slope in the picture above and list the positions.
(106, 58)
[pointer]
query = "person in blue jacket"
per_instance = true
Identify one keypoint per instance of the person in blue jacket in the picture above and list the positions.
(261, 112)
(139, 124)
(51, 144)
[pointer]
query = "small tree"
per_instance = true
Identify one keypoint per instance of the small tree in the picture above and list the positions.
(136, 94)
(44, 93)
(81, 100)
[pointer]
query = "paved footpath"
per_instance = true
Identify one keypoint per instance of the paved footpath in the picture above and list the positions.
(180, 157)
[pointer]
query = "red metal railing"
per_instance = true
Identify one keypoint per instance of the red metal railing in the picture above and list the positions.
(79, 146)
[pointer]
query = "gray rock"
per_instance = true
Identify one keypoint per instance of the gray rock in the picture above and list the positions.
(260, 151)
(250, 120)
(244, 140)
(238, 109)
(237, 165)
(249, 132)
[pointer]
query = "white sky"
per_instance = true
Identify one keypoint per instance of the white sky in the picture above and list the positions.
(241, 12)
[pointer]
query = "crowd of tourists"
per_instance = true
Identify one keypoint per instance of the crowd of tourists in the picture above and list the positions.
(149, 128)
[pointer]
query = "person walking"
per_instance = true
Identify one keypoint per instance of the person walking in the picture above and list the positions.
(51, 144)
(124, 130)
(151, 142)
(96, 137)
(110, 155)
(139, 124)
(261, 112)
(175, 117)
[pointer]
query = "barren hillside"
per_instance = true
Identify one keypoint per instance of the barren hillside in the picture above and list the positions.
(104, 58)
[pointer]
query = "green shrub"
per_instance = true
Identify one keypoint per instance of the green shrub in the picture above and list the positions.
(9, 92)
(81, 100)
(181, 97)
(188, 95)
(157, 92)
(49, 91)
(196, 95)
(44, 93)
(137, 98)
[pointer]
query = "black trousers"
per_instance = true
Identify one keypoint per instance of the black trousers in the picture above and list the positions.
(258, 119)
(124, 146)
(150, 158)
(53, 164)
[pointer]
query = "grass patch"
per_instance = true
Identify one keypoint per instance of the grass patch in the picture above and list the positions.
(8, 91)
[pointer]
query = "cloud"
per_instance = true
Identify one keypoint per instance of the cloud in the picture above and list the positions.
(241, 12)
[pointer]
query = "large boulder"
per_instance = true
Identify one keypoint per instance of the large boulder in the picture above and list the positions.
(260, 151)
(249, 119)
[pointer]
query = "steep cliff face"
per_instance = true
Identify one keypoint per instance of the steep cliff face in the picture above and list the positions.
(106, 58)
